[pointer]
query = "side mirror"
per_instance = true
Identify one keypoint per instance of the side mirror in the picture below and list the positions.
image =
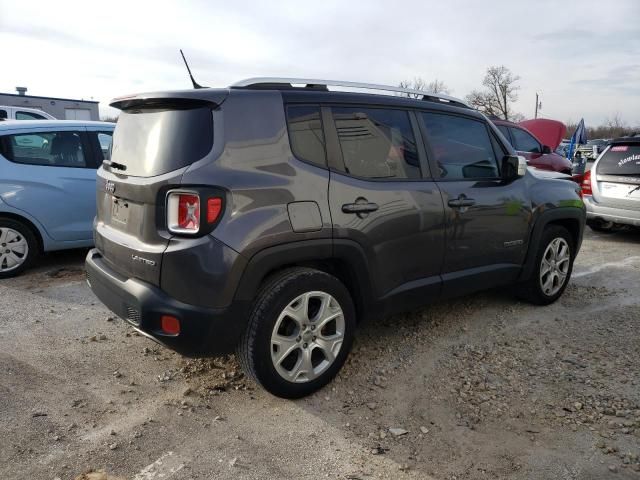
(513, 166)
(546, 149)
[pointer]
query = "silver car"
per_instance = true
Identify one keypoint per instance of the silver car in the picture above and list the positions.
(611, 188)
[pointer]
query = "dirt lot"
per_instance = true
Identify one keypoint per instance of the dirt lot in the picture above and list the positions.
(480, 387)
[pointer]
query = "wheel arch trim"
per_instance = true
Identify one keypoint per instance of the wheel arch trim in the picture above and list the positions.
(561, 216)
(305, 252)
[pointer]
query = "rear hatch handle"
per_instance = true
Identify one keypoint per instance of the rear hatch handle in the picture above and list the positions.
(117, 166)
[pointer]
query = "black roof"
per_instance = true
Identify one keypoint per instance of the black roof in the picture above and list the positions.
(630, 139)
(49, 98)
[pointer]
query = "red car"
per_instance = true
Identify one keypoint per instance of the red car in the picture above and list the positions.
(536, 141)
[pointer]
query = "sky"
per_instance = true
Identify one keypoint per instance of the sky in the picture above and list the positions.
(581, 56)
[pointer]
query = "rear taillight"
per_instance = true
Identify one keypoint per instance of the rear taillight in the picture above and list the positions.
(214, 207)
(585, 186)
(183, 212)
(190, 213)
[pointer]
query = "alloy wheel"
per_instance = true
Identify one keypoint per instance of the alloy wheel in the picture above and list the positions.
(554, 268)
(307, 337)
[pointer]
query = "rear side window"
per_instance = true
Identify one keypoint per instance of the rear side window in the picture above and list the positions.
(29, 116)
(153, 141)
(620, 160)
(305, 133)
(3, 114)
(505, 131)
(54, 149)
(377, 143)
(104, 140)
(461, 146)
(524, 142)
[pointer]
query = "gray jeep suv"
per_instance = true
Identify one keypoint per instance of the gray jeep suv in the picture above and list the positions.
(269, 219)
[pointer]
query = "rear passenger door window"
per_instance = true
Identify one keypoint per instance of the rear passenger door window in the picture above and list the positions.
(29, 116)
(53, 149)
(377, 143)
(524, 142)
(305, 133)
(461, 147)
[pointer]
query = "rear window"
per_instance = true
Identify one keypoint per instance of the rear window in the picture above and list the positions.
(620, 160)
(153, 141)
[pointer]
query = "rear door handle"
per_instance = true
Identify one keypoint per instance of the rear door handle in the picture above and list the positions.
(461, 201)
(365, 207)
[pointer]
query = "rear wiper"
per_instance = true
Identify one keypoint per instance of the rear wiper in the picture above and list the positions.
(633, 190)
(117, 166)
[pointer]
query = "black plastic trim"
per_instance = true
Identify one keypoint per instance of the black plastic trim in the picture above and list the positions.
(204, 331)
(546, 217)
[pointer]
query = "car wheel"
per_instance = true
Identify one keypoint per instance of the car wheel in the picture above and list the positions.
(553, 267)
(602, 227)
(18, 247)
(299, 333)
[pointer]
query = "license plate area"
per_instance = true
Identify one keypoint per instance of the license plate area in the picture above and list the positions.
(620, 190)
(119, 211)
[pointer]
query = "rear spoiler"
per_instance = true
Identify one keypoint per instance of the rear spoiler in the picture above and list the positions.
(212, 97)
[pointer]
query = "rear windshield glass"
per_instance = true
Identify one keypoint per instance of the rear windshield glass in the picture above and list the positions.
(155, 141)
(620, 160)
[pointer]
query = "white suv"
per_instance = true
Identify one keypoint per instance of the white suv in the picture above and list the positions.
(21, 113)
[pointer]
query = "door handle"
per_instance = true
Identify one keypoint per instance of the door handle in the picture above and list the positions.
(364, 207)
(461, 201)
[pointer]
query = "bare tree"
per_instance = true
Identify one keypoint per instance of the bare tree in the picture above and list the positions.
(418, 83)
(516, 117)
(613, 127)
(438, 86)
(500, 91)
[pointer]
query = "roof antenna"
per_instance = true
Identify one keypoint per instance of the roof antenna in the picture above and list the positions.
(195, 84)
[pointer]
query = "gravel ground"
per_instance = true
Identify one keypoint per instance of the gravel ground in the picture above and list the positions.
(480, 387)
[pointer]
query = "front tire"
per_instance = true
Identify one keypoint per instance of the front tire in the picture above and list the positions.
(18, 247)
(554, 264)
(299, 332)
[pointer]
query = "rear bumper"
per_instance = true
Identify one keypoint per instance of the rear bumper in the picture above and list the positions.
(596, 211)
(203, 331)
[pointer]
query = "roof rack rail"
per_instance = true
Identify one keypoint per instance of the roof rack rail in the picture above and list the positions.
(316, 84)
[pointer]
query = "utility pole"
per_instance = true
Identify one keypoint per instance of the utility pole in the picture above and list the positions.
(536, 115)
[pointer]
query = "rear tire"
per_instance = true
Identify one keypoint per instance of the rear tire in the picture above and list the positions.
(553, 267)
(602, 227)
(299, 333)
(18, 247)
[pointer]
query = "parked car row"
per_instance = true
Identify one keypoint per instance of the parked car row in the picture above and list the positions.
(592, 148)
(211, 240)
(47, 187)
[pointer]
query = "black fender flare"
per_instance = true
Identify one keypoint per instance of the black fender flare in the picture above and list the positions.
(553, 215)
(349, 253)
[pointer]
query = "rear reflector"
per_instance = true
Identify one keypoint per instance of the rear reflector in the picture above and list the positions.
(183, 212)
(170, 325)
